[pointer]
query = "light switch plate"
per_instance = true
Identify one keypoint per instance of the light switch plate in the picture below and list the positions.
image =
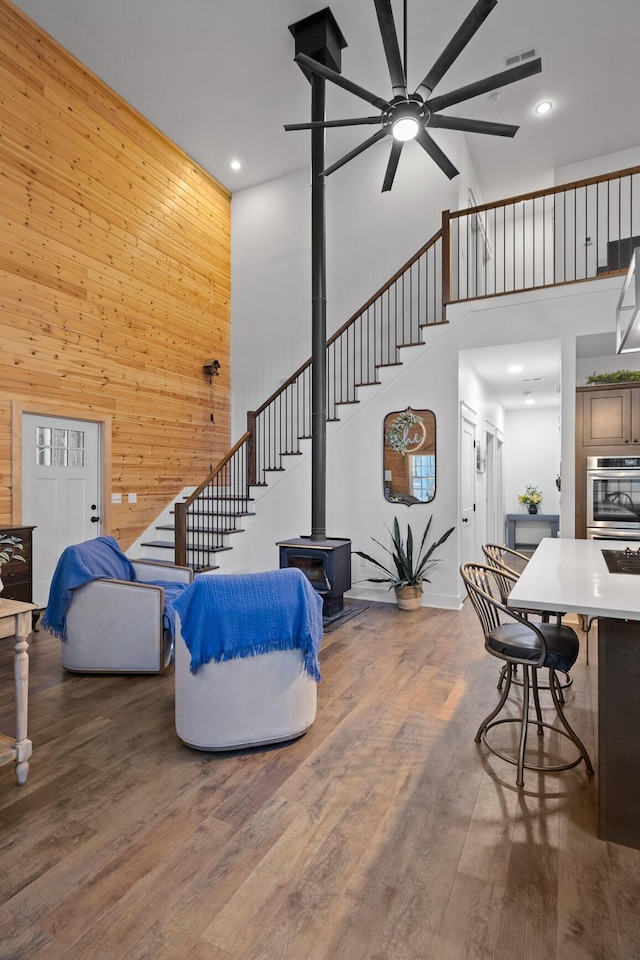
(116, 498)
(132, 498)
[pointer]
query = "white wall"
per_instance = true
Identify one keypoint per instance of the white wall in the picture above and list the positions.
(597, 166)
(370, 235)
(477, 397)
(532, 456)
(585, 367)
(427, 379)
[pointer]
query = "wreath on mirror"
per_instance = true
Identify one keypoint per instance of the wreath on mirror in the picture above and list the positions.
(399, 435)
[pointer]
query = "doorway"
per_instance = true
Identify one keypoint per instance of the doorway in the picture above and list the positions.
(467, 483)
(61, 496)
(494, 510)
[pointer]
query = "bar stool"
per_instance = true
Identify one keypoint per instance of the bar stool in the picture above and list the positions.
(515, 640)
(503, 556)
(509, 564)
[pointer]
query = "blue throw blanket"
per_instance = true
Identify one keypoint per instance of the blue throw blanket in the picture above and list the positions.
(225, 616)
(94, 560)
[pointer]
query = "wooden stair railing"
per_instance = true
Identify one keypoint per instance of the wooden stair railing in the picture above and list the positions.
(391, 319)
(565, 234)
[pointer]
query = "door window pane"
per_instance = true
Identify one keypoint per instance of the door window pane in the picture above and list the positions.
(59, 448)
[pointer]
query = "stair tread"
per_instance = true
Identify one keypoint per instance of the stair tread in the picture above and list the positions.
(170, 545)
(213, 513)
(239, 498)
(218, 530)
(170, 563)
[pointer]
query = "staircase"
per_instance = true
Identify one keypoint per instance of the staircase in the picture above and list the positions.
(209, 532)
(525, 243)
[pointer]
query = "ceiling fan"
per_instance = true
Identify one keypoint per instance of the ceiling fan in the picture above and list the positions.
(406, 116)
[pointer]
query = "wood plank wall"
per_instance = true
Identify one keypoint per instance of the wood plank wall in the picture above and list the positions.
(115, 277)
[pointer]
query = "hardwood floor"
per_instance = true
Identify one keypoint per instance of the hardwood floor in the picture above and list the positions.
(385, 833)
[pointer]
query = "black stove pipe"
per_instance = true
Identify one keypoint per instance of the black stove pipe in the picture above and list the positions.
(318, 319)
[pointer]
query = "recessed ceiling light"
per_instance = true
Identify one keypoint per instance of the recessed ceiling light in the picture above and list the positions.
(544, 107)
(514, 368)
(529, 401)
(235, 165)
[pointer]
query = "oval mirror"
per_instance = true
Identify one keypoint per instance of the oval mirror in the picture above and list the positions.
(409, 460)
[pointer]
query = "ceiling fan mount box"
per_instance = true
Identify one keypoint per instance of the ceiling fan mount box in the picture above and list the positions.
(320, 37)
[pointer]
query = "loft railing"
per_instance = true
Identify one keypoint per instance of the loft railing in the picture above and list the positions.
(575, 232)
(566, 234)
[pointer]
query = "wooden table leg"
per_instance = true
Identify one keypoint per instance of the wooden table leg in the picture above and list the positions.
(21, 679)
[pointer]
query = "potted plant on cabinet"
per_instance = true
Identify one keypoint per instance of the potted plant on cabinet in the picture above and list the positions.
(408, 573)
(531, 498)
(9, 548)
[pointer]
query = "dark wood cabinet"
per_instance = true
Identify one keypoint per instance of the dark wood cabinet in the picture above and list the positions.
(607, 425)
(17, 577)
(610, 416)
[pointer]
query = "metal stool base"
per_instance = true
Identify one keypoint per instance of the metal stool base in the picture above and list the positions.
(529, 683)
(541, 768)
(541, 686)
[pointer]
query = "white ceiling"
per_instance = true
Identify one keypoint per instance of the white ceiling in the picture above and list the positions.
(218, 78)
(537, 380)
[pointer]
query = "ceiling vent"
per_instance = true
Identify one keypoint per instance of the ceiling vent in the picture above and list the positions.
(521, 57)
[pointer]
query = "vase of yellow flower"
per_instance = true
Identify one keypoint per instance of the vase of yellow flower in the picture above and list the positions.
(531, 498)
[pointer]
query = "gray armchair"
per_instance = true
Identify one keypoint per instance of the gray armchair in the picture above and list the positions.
(118, 626)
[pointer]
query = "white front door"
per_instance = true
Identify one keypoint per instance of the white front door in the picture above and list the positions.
(60, 490)
(467, 489)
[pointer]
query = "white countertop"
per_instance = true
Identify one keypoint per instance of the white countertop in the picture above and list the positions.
(572, 576)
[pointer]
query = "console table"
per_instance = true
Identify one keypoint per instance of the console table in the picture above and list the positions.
(550, 520)
(18, 749)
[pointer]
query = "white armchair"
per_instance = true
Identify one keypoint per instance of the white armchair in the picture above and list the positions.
(245, 702)
(246, 666)
(118, 626)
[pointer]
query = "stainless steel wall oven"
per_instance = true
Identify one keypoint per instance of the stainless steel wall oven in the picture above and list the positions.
(613, 498)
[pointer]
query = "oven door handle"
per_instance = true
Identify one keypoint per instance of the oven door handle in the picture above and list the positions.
(611, 533)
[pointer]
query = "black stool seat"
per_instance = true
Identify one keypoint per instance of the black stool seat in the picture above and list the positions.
(518, 642)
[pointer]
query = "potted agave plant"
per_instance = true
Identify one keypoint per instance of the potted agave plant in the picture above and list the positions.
(10, 547)
(408, 572)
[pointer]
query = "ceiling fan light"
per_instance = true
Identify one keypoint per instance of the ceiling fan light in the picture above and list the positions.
(405, 128)
(544, 107)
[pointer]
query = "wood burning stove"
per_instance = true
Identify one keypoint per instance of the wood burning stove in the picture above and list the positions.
(326, 564)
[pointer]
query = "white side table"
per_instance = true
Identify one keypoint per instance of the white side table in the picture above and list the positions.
(18, 749)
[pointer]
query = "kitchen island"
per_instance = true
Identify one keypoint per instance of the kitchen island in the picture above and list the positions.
(573, 576)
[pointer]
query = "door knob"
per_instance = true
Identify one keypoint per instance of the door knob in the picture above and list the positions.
(465, 519)
(94, 519)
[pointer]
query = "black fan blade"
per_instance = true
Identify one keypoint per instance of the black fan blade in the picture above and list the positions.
(434, 151)
(391, 47)
(485, 86)
(473, 126)
(354, 153)
(321, 71)
(316, 124)
(455, 46)
(392, 166)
